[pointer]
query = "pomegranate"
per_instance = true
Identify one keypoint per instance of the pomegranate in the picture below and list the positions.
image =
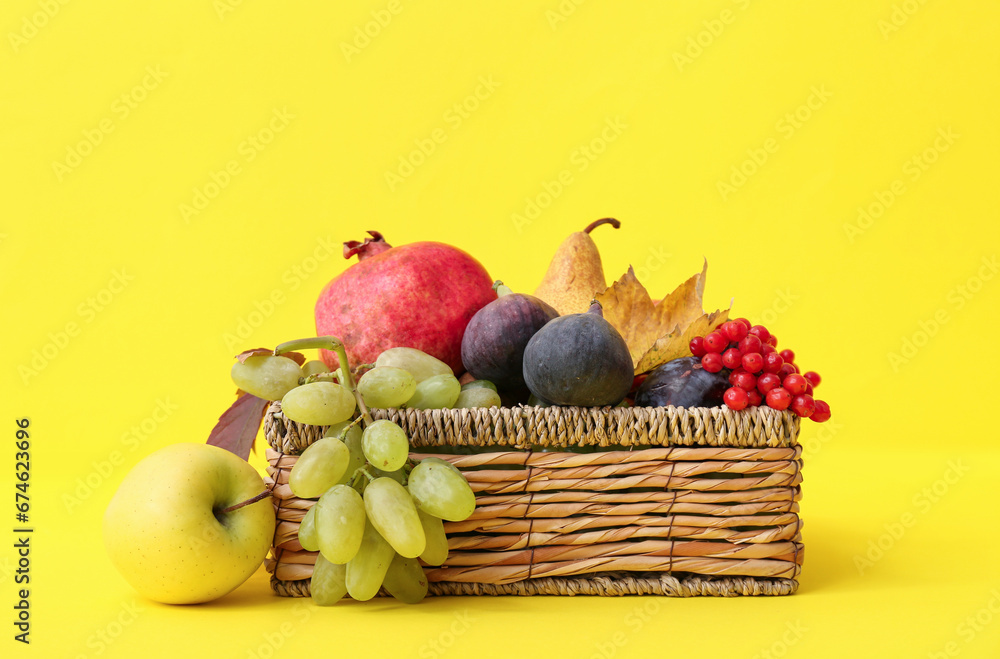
(420, 295)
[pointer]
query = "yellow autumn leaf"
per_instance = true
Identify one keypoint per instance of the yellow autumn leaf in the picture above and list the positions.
(677, 344)
(654, 331)
(627, 306)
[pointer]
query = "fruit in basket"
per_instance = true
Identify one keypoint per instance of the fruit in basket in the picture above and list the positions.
(351, 434)
(748, 357)
(682, 382)
(307, 531)
(367, 569)
(314, 367)
(394, 515)
(172, 528)
(319, 468)
(266, 376)
(419, 295)
(328, 584)
(415, 362)
(405, 580)
(385, 445)
(477, 384)
(318, 404)
(477, 397)
(359, 469)
(579, 359)
(494, 341)
(575, 274)
(386, 386)
(436, 549)
(439, 489)
(340, 523)
(435, 392)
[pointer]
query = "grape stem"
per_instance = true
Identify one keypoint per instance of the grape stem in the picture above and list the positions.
(347, 428)
(322, 377)
(407, 468)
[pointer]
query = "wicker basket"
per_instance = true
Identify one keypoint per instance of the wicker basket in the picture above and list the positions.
(595, 501)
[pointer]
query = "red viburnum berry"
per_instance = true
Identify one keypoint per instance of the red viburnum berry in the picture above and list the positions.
(712, 362)
(821, 413)
(803, 405)
(778, 399)
(736, 398)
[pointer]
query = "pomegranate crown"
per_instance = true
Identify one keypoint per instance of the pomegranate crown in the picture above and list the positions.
(367, 249)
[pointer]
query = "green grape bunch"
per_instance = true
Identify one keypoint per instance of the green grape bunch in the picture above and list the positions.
(378, 514)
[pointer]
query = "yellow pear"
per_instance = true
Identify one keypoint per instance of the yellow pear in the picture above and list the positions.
(575, 274)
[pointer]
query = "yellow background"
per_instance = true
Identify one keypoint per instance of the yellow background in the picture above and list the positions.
(113, 115)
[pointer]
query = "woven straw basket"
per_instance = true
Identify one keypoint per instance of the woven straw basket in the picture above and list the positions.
(591, 501)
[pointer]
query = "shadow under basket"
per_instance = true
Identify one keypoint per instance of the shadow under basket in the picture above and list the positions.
(590, 501)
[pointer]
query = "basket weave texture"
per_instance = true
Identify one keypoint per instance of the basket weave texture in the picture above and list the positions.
(600, 501)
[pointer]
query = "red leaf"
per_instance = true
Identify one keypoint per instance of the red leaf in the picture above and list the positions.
(243, 356)
(297, 357)
(237, 427)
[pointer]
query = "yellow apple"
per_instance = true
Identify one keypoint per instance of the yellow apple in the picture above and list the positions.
(166, 533)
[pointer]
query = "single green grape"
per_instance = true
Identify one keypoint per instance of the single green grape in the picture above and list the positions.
(318, 404)
(366, 570)
(479, 384)
(405, 580)
(386, 387)
(320, 467)
(437, 391)
(340, 523)
(416, 362)
(391, 511)
(329, 582)
(477, 397)
(436, 549)
(314, 367)
(266, 376)
(431, 459)
(307, 531)
(353, 442)
(441, 490)
(385, 445)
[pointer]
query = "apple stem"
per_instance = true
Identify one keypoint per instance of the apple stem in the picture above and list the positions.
(236, 506)
(607, 220)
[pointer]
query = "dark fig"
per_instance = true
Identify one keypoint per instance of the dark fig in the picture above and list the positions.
(578, 359)
(682, 383)
(495, 338)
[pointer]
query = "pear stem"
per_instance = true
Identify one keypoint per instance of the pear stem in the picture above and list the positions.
(607, 220)
(236, 506)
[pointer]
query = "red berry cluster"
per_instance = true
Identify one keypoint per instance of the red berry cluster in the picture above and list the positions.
(759, 373)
